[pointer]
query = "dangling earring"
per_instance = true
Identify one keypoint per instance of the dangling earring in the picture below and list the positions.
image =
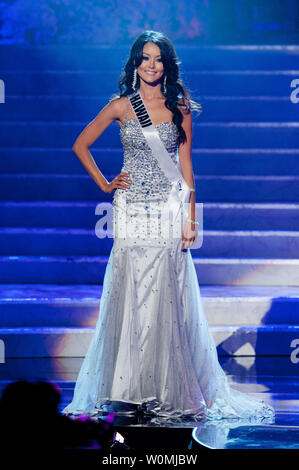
(164, 85)
(134, 79)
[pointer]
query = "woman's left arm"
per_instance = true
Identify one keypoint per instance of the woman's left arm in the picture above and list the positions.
(185, 155)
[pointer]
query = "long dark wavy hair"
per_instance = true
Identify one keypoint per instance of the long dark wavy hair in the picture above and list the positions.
(175, 88)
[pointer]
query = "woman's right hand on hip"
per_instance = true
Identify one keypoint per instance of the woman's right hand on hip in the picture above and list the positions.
(121, 181)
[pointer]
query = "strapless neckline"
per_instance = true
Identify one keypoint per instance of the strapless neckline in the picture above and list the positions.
(160, 124)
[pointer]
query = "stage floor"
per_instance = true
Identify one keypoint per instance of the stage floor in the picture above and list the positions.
(254, 376)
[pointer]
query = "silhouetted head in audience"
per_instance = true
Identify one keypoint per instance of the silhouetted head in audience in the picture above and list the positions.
(30, 420)
(21, 398)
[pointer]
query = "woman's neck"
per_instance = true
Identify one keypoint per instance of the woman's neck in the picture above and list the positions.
(149, 92)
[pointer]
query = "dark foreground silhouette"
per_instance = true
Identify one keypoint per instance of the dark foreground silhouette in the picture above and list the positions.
(30, 420)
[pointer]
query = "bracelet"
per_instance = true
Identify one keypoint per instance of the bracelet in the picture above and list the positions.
(193, 221)
(192, 189)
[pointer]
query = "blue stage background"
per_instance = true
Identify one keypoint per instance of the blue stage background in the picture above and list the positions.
(119, 22)
(60, 63)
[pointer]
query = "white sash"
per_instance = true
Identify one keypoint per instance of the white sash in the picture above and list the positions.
(178, 199)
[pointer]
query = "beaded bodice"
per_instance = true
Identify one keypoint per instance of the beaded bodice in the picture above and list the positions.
(148, 180)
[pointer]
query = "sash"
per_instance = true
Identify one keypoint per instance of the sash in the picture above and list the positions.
(178, 198)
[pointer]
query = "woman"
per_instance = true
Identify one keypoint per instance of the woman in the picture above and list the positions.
(152, 350)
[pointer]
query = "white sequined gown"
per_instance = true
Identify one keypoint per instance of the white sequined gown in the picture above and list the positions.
(152, 346)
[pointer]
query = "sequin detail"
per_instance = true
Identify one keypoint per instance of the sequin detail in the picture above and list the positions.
(148, 180)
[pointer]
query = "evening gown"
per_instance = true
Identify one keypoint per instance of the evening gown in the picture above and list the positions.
(151, 347)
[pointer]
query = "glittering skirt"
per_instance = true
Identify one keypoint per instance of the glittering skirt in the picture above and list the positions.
(152, 346)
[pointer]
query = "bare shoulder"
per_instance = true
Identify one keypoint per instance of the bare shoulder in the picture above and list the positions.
(117, 107)
(184, 106)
